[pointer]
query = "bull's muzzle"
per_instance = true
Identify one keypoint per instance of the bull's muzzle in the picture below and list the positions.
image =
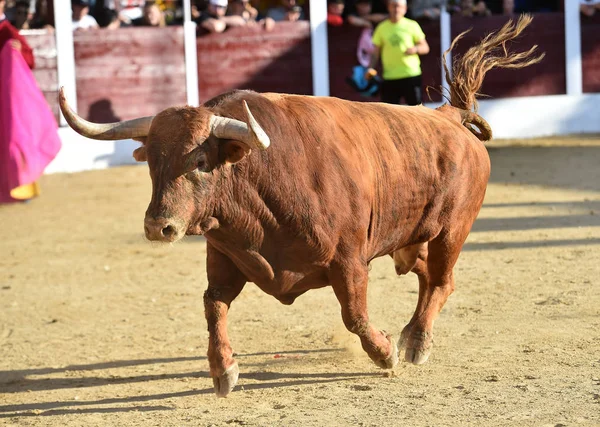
(162, 229)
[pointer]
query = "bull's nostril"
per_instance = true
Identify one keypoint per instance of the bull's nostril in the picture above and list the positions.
(146, 230)
(168, 231)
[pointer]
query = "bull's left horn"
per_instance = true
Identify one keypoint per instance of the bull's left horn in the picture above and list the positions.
(249, 133)
(105, 131)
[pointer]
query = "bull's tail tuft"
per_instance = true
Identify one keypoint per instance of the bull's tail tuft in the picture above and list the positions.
(469, 70)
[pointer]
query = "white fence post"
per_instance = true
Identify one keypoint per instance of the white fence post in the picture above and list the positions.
(319, 49)
(191, 55)
(65, 55)
(445, 41)
(573, 48)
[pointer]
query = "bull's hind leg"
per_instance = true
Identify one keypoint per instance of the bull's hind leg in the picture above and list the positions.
(436, 283)
(349, 282)
(225, 282)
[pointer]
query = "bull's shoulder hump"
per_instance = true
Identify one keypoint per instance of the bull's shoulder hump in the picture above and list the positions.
(273, 96)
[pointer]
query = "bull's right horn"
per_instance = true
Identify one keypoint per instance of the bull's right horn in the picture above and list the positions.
(249, 132)
(105, 131)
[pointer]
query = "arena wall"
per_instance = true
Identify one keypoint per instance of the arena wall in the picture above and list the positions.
(129, 73)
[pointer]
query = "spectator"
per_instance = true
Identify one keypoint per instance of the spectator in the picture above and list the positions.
(288, 11)
(172, 11)
(260, 7)
(501, 7)
(242, 8)
(508, 7)
(152, 16)
(250, 14)
(105, 11)
(129, 9)
(589, 7)
(21, 16)
(335, 9)
(363, 16)
(10, 34)
(28, 131)
(454, 7)
(399, 41)
(198, 7)
(43, 16)
(113, 21)
(360, 80)
(425, 9)
(469, 8)
(213, 19)
(81, 18)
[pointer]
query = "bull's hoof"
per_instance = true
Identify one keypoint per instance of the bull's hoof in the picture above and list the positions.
(226, 381)
(392, 359)
(404, 336)
(416, 356)
(418, 345)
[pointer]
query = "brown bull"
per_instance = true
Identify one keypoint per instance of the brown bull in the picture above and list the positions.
(296, 192)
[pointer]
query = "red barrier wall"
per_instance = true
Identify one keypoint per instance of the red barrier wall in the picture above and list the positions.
(44, 50)
(251, 58)
(590, 53)
(547, 30)
(120, 74)
(129, 73)
(134, 72)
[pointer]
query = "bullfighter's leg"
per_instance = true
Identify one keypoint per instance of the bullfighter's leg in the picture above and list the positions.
(349, 283)
(225, 282)
(436, 283)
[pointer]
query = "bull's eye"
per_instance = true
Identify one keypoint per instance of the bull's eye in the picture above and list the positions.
(202, 165)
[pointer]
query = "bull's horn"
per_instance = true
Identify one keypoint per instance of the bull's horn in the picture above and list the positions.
(106, 131)
(249, 133)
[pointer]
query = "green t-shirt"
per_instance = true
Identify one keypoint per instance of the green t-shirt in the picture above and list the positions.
(393, 39)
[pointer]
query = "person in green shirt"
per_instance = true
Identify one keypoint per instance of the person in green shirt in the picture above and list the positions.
(399, 41)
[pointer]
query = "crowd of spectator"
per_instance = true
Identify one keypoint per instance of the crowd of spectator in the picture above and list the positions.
(368, 13)
(218, 15)
(210, 15)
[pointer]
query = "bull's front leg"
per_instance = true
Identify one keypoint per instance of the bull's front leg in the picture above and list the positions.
(225, 282)
(349, 283)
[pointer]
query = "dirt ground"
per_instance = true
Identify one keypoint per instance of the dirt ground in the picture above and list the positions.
(99, 327)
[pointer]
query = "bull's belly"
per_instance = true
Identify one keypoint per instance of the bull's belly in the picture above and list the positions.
(285, 277)
(284, 284)
(402, 236)
(287, 285)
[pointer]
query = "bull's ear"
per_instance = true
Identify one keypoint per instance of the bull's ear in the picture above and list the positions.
(139, 154)
(234, 151)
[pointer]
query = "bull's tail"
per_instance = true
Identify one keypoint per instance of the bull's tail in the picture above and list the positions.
(469, 70)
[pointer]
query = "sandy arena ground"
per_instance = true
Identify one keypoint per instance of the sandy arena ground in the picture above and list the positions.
(99, 327)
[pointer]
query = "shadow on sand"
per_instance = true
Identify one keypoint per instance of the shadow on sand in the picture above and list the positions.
(260, 380)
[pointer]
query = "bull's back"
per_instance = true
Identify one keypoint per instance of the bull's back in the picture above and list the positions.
(366, 174)
(402, 169)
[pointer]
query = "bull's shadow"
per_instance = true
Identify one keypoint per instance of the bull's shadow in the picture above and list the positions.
(573, 167)
(566, 167)
(77, 407)
(19, 383)
(261, 379)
